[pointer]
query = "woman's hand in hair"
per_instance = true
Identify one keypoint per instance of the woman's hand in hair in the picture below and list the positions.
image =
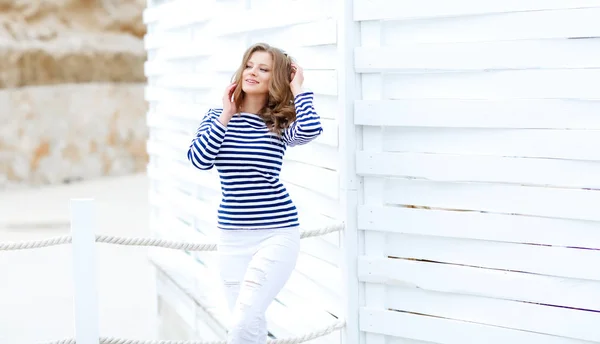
(297, 79)
(229, 108)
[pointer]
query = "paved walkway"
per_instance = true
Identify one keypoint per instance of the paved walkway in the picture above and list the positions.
(36, 285)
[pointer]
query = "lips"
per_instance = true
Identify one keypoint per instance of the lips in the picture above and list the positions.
(250, 81)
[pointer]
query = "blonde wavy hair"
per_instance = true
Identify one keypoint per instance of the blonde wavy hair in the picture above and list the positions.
(279, 110)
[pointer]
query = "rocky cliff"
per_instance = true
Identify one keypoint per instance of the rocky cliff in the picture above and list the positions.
(71, 90)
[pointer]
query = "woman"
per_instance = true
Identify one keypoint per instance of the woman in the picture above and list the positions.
(265, 110)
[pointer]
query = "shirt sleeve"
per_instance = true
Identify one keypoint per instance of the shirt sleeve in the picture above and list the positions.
(307, 125)
(206, 144)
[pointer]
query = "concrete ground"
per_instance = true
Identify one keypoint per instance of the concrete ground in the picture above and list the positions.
(36, 287)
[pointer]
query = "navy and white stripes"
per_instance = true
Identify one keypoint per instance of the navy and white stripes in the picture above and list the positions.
(248, 158)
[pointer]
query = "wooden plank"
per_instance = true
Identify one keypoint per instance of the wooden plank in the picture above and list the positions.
(297, 35)
(480, 56)
(497, 284)
(481, 226)
(320, 57)
(448, 331)
(322, 249)
(504, 27)
(532, 143)
(227, 21)
(373, 188)
(306, 288)
(404, 9)
(478, 168)
(548, 260)
(315, 154)
(558, 321)
(496, 198)
(482, 113)
(187, 123)
(540, 84)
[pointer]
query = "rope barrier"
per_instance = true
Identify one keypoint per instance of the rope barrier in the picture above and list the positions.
(157, 242)
(178, 245)
(293, 340)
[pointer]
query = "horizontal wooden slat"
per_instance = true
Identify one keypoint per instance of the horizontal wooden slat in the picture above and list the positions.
(176, 14)
(462, 113)
(480, 225)
(481, 168)
(184, 107)
(296, 35)
(319, 180)
(465, 280)
(496, 198)
(186, 123)
(540, 84)
(229, 21)
(533, 143)
(448, 331)
(382, 9)
(556, 321)
(316, 154)
(319, 81)
(505, 27)
(322, 57)
(480, 56)
(545, 260)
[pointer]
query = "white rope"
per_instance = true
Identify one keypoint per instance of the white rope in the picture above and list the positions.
(293, 340)
(115, 240)
(180, 245)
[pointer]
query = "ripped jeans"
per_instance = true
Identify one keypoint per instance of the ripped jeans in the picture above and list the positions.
(254, 266)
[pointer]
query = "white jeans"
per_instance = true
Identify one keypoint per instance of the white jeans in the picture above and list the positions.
(254, 266)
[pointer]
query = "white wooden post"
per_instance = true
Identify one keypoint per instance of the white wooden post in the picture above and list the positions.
(84, 271)
(348, 84)
(374, 187)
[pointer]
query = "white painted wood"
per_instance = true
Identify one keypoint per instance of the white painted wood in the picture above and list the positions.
(297, 34)
(556, 321)
(448, 331)
(545, 260)
(189, 122)
(483, 113)
(276, 17)
(481, 225)
(563, 144)
(476, 168)
(349, 88)
(541, 84)
(373, 189)
(403, 9)
(490, 283)
(504, 27)
(85, 298)
(496, 198)
(481, 56)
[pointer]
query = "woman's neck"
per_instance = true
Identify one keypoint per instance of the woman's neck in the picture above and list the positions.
(253, 103)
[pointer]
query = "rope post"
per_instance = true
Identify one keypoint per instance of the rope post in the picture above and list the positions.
(84, 271)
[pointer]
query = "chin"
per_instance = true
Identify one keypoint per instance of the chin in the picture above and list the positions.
(253, 90)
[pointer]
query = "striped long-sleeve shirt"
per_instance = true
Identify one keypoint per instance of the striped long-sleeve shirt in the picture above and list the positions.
(248, 158)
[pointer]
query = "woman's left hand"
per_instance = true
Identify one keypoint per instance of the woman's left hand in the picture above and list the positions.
(297, 79)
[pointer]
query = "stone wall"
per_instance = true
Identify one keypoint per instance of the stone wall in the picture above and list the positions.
(71, 90)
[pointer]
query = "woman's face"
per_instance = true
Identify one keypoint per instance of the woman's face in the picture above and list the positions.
(257, 73)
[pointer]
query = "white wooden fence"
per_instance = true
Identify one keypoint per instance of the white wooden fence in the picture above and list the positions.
(194, 47)
(466, 166)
